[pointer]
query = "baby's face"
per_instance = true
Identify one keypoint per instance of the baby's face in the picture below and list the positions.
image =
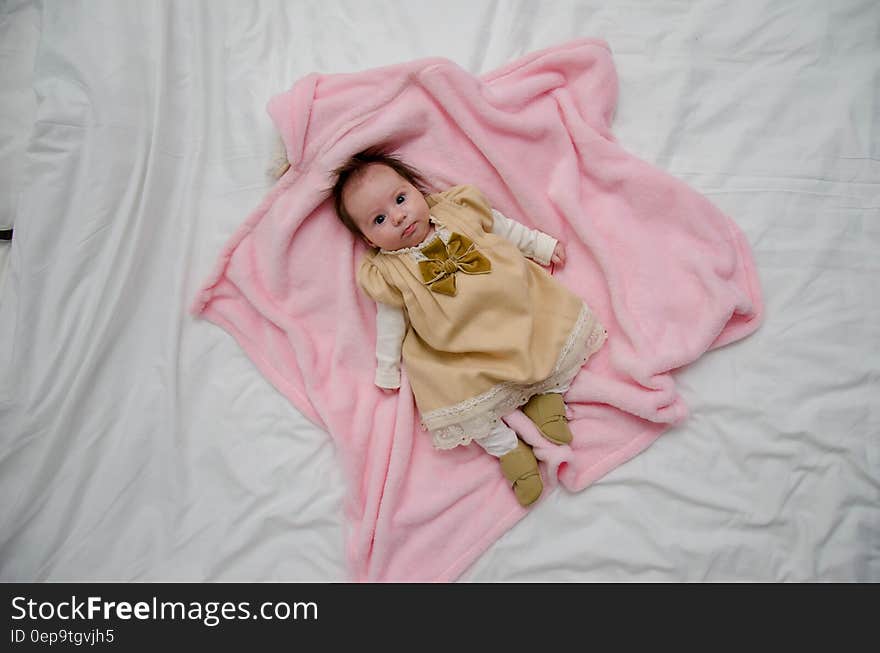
(390, 212)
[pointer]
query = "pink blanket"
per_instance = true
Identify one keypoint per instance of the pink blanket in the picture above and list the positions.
(667, 273)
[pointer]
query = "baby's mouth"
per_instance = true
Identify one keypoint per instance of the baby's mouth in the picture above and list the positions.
(409, 230)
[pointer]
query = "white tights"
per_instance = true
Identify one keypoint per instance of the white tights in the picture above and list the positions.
(499, 440)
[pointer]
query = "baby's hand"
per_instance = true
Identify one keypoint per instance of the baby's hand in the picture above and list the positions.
(558, 254)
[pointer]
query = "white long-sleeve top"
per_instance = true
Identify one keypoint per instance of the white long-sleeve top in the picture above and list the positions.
(391, 320)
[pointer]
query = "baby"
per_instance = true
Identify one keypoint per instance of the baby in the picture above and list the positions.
(481, 329)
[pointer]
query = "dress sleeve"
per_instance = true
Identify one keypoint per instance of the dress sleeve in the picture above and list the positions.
(471, 197)
(373, 283)
(531, 242)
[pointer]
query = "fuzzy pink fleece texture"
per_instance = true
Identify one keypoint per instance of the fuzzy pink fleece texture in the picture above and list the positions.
(668, 274)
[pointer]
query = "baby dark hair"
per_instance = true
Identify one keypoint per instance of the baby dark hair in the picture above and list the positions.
(356, 164)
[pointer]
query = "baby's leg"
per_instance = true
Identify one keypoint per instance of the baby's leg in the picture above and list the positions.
(499, 441)
(518, 462)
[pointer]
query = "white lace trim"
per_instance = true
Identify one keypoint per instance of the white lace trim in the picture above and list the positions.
(439, 232)
(474, 418)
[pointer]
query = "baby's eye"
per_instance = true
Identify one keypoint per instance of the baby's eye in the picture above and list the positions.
(379, 219)
(401, 198)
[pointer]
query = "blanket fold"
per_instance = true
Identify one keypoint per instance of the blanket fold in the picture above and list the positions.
(668, 275)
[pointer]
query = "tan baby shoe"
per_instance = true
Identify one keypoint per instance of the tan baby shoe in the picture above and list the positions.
(520, 467)
(548, 413)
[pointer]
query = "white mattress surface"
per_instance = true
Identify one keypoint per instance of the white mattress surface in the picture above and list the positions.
(139, 444)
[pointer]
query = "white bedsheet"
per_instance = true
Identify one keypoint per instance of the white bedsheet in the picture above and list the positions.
(139, 444)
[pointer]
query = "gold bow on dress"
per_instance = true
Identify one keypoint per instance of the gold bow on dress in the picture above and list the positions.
(444, 260)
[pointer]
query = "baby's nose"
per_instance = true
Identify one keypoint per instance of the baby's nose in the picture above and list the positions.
(398, 217)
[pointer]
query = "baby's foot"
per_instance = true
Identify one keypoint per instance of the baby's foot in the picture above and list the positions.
(548, 413)
(520, 467)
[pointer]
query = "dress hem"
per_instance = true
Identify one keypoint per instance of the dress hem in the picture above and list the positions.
(473, 418)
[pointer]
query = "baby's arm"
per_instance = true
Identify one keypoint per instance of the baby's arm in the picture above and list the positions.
(390, 330)
(531, 242)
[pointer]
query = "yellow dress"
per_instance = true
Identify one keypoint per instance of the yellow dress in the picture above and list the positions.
(480, 342)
